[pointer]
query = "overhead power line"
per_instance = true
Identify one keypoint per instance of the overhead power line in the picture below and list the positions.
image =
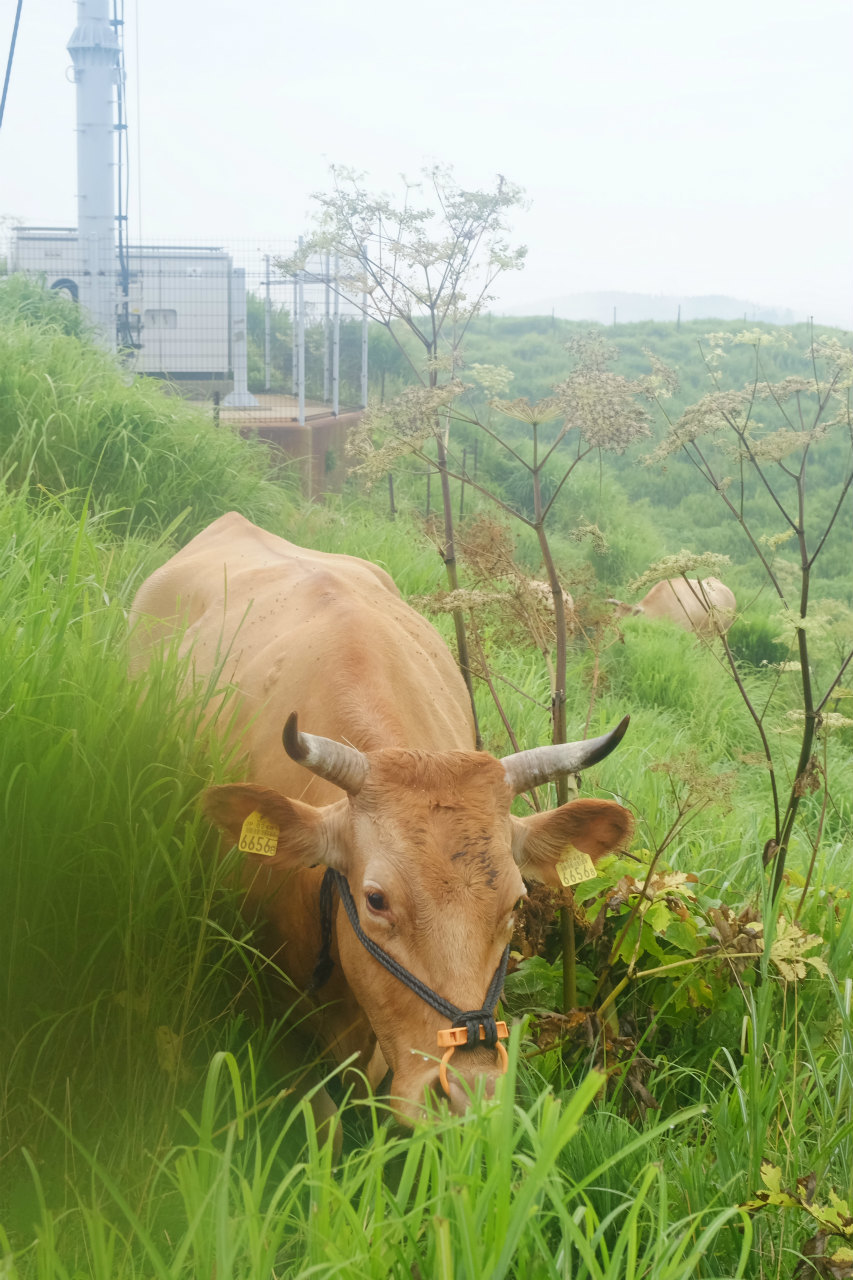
(10, 58)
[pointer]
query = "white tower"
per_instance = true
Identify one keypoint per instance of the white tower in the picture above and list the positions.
(94, 51)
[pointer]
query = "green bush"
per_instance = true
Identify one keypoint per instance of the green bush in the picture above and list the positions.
(754, 640)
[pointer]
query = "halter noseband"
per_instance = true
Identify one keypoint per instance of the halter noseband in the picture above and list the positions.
(468, 1027)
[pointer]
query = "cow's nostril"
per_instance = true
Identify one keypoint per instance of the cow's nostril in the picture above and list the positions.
(434, 1089)
(456, 1096)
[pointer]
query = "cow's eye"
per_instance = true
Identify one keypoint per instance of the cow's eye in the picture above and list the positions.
(376, 900)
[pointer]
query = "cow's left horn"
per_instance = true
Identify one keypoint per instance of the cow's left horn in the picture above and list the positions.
(544, 764)
(345, 766)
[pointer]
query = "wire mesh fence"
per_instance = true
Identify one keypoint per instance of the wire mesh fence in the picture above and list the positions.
(221, 319)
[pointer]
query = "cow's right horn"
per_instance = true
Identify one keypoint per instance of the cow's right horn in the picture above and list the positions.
(345, 766)
(544, 764)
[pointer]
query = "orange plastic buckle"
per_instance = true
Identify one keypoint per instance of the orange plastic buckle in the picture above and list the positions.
(452, 1037)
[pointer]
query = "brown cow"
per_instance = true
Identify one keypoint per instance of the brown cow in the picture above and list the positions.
(704, 606)
(416, 823)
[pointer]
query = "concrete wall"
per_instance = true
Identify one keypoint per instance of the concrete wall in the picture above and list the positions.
(318, 448)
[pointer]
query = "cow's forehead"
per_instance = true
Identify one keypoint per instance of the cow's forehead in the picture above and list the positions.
(461, 789)
(438, 823)
(436, 771)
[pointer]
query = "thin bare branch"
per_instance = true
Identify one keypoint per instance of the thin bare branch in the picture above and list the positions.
(566, 475)
(709, 475)
(836, 682)
(844, 491)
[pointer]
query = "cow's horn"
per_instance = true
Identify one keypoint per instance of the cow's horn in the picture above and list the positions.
(544, 764)
(345, 766)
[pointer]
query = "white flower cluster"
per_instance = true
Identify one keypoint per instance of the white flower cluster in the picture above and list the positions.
(716, 412)
(494, 379)
(604, 408)
(533, 414)
(678, 566)
(826, 720)
(780, 444)
(404, 424)
(449, 601)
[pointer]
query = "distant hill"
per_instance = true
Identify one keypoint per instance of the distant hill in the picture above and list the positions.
(636, 307)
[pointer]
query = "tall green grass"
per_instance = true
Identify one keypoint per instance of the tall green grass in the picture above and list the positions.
(146, 1127)
(73, 425)
(108, 957)
(508, 1190)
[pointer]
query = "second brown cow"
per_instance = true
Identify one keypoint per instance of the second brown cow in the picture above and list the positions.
(704, 606)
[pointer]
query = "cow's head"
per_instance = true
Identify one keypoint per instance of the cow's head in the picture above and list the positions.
(434, 861)
(623, 610)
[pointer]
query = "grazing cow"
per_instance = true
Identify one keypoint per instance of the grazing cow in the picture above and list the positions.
(704, 606)
(389, 794)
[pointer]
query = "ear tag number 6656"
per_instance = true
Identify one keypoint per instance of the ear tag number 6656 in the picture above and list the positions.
(258, 835)
(574, 868)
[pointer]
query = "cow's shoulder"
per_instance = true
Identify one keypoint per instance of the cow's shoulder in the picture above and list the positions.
(233, 564)
(663, 593)
(234, 538)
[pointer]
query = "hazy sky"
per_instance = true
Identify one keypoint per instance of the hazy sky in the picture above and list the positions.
(665, 147)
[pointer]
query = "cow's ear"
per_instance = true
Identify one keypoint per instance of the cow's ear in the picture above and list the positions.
(595, 827)
(271, 829)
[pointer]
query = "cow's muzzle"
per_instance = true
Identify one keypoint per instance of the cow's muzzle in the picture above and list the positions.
(468, 1027)
(458, 1036)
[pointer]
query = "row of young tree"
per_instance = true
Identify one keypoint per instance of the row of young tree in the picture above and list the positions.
(278, 377)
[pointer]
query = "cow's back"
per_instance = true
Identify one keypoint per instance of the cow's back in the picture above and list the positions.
(222, 556)
(322, 634)
(687, 603)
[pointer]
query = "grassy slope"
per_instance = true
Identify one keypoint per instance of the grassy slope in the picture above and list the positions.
(120, 969)
(670, 506)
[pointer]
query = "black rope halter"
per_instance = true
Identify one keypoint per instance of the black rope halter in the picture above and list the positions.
(471, 1019)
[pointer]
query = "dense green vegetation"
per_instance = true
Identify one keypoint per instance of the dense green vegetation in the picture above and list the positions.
(533, 348)
(144, 1127)
(666, 502)
(669, 505)
(74, 426)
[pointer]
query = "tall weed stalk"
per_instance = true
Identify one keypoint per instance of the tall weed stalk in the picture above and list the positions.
(755, 448)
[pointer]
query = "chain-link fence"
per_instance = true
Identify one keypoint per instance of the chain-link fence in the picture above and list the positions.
(282, 356)
(221, 319)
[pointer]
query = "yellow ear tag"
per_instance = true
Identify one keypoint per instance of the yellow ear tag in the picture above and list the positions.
(575, 867)
(258, 835)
